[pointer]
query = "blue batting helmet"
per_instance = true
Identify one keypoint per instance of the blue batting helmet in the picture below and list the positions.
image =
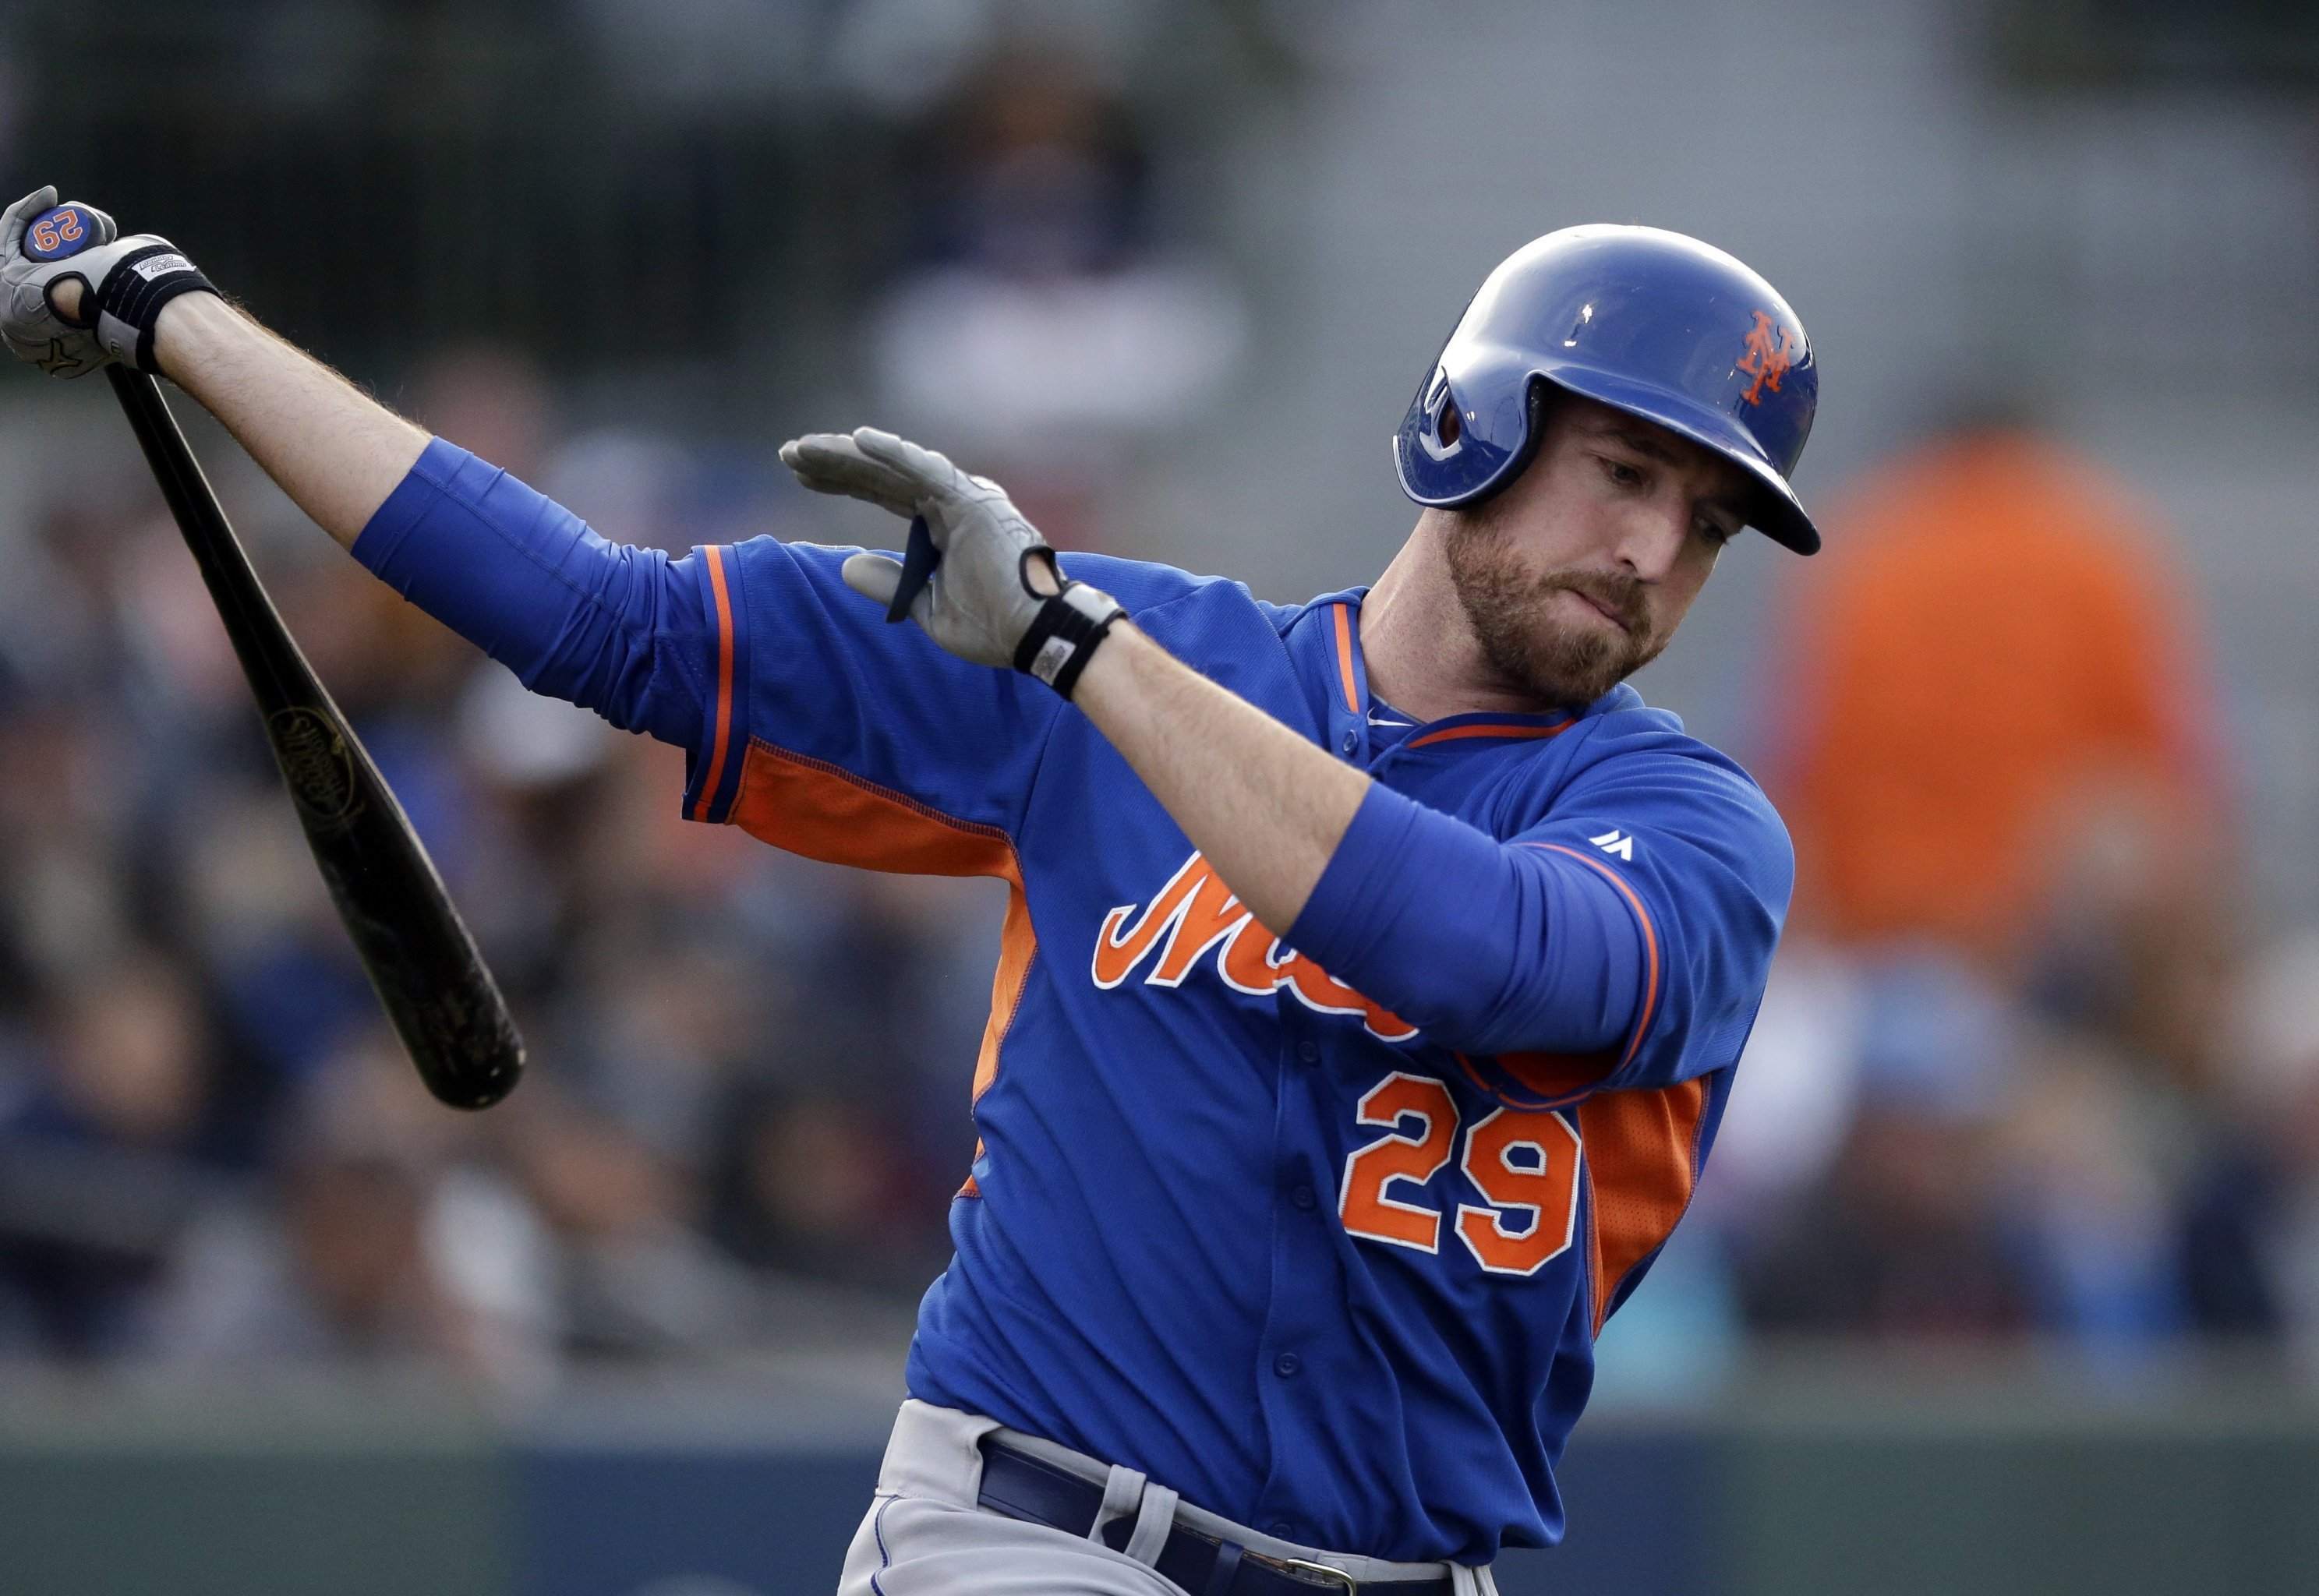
(1651, 322)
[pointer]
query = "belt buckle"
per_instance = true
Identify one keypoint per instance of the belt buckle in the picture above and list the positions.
(1334, 1578)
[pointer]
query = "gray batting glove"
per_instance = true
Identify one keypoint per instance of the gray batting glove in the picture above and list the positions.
(979, 604)
(29, 326)
(124, 284)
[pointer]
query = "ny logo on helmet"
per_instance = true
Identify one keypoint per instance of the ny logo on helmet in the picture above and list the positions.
(1765, 361)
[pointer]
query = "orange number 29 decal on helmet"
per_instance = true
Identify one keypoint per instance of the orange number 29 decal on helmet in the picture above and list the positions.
(1525, 1166)
(1365, 1206)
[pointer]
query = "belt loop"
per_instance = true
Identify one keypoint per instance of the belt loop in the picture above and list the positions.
(1225, 1572)
(1153, 1520)
(1472, 1582)
(1123, 1489)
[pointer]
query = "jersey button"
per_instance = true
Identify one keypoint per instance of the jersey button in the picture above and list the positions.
(1280, 1527)
(1304, 1197)
(1309, 1052)
(1287, 1366)
(1352, 740)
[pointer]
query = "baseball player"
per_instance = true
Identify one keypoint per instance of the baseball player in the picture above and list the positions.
(1373, 968)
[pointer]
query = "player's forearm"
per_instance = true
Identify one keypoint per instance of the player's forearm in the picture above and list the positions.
(1264, 806)
(336, 451)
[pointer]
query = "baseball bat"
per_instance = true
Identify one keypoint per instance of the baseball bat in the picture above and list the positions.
(429, 976)
(420, 959)
(425, 966)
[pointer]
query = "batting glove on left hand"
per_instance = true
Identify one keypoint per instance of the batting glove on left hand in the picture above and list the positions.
(124, 284)
(978, 603)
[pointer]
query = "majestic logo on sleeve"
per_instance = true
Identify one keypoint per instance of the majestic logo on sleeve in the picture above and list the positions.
(1766, 361)
(1194, 915)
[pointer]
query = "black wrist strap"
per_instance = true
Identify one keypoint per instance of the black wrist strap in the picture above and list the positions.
(1064, 634)
(129, 305)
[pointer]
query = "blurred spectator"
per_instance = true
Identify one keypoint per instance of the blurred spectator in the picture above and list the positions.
(2011, 958)
(2004, 736)
(1907, 1235)
(817, 1184)
(1044, 324)
(386, 1238)
(2250, 1225)
(490, 399)
(2087, 1165)
(1795, 1091)
(633, 1276)
(100, 1157)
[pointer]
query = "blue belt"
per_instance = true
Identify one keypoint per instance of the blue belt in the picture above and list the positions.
(1020, 1486)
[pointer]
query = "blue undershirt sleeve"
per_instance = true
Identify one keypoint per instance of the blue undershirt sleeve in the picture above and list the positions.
(1490, 947)
(626, 631)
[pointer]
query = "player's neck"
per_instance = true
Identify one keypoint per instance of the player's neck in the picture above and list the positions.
(1419, 645)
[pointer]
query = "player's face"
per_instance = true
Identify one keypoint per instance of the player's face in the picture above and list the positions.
(1577, 574)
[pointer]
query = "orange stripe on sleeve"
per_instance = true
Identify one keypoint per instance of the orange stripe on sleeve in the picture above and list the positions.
(718, 745)
(1344, 614)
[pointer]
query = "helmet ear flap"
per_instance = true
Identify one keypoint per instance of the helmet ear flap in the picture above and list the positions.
(1442, 426)
(1538, 400)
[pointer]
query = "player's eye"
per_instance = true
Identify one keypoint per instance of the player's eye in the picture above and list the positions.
(1621, 473)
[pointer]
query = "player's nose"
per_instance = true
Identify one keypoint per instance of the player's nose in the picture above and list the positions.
(1650, 539)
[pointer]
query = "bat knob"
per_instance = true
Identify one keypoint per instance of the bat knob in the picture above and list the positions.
(67, 229)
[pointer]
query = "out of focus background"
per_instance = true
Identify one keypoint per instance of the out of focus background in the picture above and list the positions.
(2006, 1273)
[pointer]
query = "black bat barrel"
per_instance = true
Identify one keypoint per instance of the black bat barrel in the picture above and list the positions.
(428, 974)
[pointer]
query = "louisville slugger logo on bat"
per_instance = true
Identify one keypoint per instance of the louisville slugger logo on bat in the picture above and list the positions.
(316, 763)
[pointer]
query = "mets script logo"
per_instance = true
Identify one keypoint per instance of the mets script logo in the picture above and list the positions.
(1764, 360)
(1196, 915)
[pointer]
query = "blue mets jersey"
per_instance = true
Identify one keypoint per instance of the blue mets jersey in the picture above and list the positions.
(1317, 1228)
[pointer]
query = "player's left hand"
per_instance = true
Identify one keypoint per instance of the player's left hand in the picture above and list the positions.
(124, 285)
(29, 323)
(997, 597)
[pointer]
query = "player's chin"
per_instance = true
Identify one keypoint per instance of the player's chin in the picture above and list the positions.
(1572, 666)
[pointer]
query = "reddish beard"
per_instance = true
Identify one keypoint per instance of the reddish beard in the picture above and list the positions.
(1509, 609)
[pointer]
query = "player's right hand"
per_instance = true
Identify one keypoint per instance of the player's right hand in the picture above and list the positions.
(980, 602)
(996, 595)
(124, 282)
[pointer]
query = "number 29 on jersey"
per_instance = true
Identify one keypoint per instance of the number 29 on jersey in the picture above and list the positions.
(1523, 1165)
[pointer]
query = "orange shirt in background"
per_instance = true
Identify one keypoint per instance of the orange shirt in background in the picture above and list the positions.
(1992, 637)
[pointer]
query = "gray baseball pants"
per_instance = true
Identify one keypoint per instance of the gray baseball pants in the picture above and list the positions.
(924, 1536)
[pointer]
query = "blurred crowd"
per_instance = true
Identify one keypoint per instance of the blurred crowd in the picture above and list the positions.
(2026, 1071)
(2029, 1067)
(748, 1094)
(747, 1108)
(747, 1091)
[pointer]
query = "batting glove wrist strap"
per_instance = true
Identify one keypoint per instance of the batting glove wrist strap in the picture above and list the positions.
(1064, 634)
(129, 299)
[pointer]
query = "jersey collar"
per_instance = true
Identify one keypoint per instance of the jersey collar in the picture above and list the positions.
(1334, 626)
